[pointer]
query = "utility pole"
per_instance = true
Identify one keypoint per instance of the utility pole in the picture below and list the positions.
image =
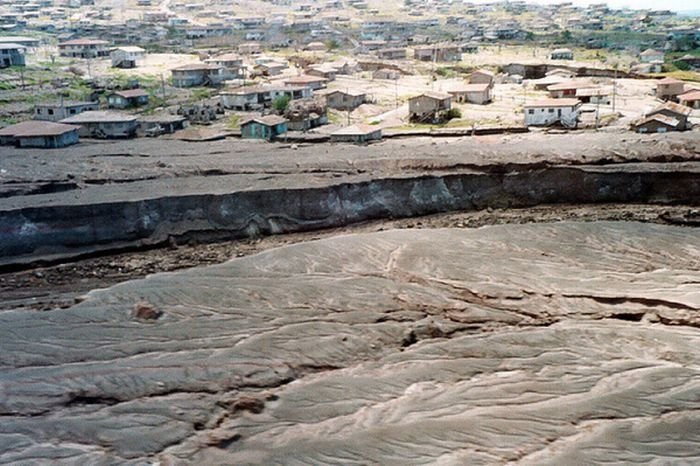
(614, 88)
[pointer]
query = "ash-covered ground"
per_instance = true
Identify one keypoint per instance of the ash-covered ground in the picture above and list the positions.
(553, 343)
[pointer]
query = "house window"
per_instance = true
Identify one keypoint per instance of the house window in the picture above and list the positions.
(72, 111)
(50, 111)
(531, 111)
(551, 110)
(38, 111)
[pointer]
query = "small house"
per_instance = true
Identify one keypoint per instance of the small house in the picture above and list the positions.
(651, 55)
(435, 53)
(562, 54)
(594, 95)
(386, 73)
(197, 74)
(12, 55)
(426, 107)
(479, 94)
(322, 71)
(667, 117)
(482, 77)
(232, 64)
(250, 48)
(60, 110)
(269, 69)
(104, 124)
(567, 89)
(155, 125)
(689, 61)
(314, 82)
(690, 99)
(266, 128)
(398, 53)
(39, 134)
(127, 57)
(306, 114)
(547, 112)
(357, 134)
(83, 48)
(128, 99)
(669, 89)
(345, 100)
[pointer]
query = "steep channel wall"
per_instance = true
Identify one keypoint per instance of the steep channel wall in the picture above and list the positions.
(49, 232)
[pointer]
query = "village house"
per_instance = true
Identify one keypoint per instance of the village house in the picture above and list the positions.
(306, 114)
(266, 128)
(12, 55)
(322, 71)
(547, 112)
(60, 110)
(249, 48)
(651, 56)
(104, 124)
(269, 69)
(646, 68)
(427, 106)
(479, 94)
(128, 99)
(441, 53)
(314, 82)
(669, 89)
(155, 125)
(386, 73)
(667, 117)
(567, 89)
(562, 54)
(231, 62)
(345, 100)
(594, 95)
(357, 134)
(83, 48)
(690, 99)
(391, 54)
(39, 134)
(126, 57)
(197, 74)
(258, 97)
(482, 77)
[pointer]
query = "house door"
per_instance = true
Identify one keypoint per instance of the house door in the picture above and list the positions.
(6, 62)
(559, 113)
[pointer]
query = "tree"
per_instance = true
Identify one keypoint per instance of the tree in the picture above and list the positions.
(566, 35)
(332, 44)
(281, 103)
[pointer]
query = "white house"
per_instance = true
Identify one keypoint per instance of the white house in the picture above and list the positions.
(550, 111)
(651, 55)
(126, 57)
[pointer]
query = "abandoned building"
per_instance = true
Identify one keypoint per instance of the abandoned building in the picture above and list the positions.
(562, 54)
(127, 57)
(59, 110)
(83, 48)
(266, 128)
(345, 100)
(548, 112)
(357, 134)
(197, 74)
(426, 107)
(12, 55)
(130, 98)
(104, 124)
(39, 134)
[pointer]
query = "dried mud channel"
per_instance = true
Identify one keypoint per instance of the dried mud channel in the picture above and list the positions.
(561, 342)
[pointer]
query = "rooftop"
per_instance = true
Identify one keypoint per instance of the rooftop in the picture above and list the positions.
(553, 103)
(36, 128)
(270, 120)
(99, 116)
